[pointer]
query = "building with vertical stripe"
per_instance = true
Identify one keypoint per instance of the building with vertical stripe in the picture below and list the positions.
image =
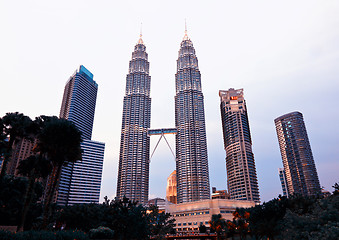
(240, 166)
(133, 172)
(80, 182)
(191, 146)
(299, 167)
(282, 178)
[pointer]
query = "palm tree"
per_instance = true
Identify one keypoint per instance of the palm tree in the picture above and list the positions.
(14, 126)
(33, 167)
(59, 141)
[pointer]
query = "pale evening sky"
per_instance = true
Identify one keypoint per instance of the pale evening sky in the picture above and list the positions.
(285, 54)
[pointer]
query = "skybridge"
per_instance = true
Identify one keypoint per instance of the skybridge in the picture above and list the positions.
(162, 132)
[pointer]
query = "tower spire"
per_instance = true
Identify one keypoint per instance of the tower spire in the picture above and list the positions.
(186, 36)
(133, 174)
(193, 182)
(140, 39)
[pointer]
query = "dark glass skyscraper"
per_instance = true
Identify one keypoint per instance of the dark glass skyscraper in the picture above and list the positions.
(240, 166)
(133, 173)
(78, 103)
(191, 147)
(300, 171)
(80, 182)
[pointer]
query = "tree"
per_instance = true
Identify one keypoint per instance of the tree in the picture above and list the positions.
(296, 217)
(336, 188)
(265, 219)
(127, 219)
(59, 141)
(12, 190)
(13, 126)
(160, 223)
(34, 167)
(3, 141)
(202, 228)
(82, 216)
(318, 220)
(130, 220)
(240, 221)
(217, 224)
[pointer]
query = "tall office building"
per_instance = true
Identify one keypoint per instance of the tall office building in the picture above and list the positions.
(80, 182)
(300, 171)
(78, 103)
(191, 147)
(240, 166)
(133, 173)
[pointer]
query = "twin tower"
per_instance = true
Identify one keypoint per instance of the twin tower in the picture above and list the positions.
(191, 147)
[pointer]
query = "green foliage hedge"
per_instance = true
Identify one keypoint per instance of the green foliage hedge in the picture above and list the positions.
(101, 233)
(43, 235)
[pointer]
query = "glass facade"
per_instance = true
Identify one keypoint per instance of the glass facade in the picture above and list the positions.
(133, 173)
(300, 171)
(240, 166)
(78, 104)
(191, 147)
(80, 182)
(282, 179)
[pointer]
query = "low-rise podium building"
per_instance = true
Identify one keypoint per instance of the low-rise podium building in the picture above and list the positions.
(189, 216)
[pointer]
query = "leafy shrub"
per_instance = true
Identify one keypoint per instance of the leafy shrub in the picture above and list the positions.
(6, 235)
(35, 235)
(43, 235)
(71, 235)
(101, 233)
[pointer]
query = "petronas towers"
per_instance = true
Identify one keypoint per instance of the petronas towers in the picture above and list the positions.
(133, 173)
(191, 147)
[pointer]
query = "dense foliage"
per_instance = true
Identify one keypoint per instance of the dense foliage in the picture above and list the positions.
(296, 217)
(127, 219)
(57, 143)
(12, 191)
(160, 223)
(13, 126)
(101, 233)
(44, 235)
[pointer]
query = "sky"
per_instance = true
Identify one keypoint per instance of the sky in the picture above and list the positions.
(284, 54)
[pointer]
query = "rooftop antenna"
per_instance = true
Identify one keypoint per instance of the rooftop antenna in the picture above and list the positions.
(140, 39)
(140, 29)
(186, 37)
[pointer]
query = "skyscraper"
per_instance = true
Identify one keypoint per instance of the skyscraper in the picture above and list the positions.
(191, 147)
(133, 173)
(296, 153)
(80, 182)
(282, 178)
(78, 103)
(240, 166)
